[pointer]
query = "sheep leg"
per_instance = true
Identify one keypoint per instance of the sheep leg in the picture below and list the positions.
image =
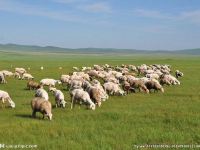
(34, 114)
(72, 102)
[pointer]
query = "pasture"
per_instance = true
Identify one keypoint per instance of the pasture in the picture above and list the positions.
(172, 117)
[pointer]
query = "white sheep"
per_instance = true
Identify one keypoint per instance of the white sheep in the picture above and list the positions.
(4, 96)
(113, 88)
(74, 84)
(64, 78)
(42, 93)
(27, 76)
(20, 70)
(49, 82)
(7, 73)
(59, 97)
(152, 76)
(78, 95)
(17, 75)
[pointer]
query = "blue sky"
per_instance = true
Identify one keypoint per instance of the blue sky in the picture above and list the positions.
(134, 24)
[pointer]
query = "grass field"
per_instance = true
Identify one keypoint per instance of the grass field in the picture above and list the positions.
(121, 122)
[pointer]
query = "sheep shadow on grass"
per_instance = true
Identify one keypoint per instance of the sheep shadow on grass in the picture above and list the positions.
(24, 116)
(28, 116)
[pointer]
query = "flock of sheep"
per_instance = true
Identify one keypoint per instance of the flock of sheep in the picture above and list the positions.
(92, 85)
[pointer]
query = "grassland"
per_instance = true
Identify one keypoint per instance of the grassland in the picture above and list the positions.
(121, 122)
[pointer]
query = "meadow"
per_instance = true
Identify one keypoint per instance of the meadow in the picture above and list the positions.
(172, 117)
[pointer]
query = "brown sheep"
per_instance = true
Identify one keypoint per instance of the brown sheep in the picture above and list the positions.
(138, 84)
(95, 95)
(154, 85)
(32, 85)
(39, 104)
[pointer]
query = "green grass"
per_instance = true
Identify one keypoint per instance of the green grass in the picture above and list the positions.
(121, 122)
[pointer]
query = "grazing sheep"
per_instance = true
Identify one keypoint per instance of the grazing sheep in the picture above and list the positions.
(75, 84)
(104, 95)
(17, 75)
(42, 93)
(95, 94)
(127, 87)
(27, 76)
(4, 96)
(20, 70)
(7, 73)
(139, 84)
(59, 97)
(178, 74)
(2, 78)
(49, 82)
(154, 85)
(39, 104)
(152, 76)
(32, 85)
(80, 96)
(112, 79)
(169, 79)
(113, 89)
(65, 79)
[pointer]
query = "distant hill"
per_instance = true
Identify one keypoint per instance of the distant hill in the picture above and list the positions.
(52, 49)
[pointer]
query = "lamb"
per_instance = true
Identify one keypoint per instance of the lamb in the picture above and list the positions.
(2, 78)
(32, 85)
(78, 95)
(27, 76)
(42, 93)
(4, 96)
(154, 85)
(49, 82)
(113, 89)
(39, 104)
(59, 97)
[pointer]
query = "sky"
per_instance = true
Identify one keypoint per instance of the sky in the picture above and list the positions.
(128, 24)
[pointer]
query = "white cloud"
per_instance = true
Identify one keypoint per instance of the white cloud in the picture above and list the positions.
(189, 16)
(68, 1)
(192, 16)
(151, 14)
(19, 8)
(96, 8)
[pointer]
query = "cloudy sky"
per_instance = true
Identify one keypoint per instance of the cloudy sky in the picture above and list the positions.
(135, 24)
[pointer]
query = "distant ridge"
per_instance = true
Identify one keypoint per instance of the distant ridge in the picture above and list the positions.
(53, 49)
